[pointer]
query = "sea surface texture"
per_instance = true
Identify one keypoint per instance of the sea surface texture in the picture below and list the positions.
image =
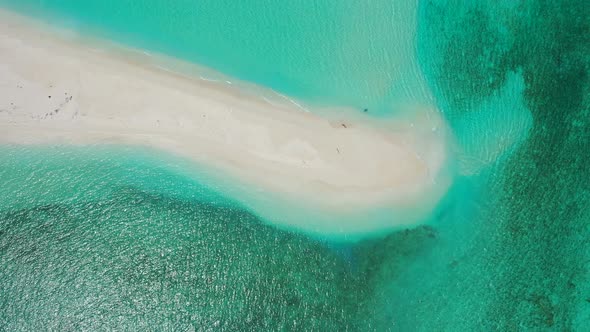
(113, 238)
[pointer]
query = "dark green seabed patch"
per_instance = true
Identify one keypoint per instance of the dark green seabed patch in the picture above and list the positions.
(545, 221)
(142, 261)
(114, 252)
(104, 241)
(516, 256)
(125, 256)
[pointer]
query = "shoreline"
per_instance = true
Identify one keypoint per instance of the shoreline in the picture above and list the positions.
(334, 166)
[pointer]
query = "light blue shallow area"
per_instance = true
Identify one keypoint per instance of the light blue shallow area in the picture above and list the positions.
(109, 238)
(334, 52)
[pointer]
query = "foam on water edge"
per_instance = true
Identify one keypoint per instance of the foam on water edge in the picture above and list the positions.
(342, 53)
(409, 89)
(490, 259)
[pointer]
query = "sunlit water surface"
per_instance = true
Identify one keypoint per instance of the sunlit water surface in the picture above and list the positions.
(114, 238)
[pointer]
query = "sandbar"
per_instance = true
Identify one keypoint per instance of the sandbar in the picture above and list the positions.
(333, 168)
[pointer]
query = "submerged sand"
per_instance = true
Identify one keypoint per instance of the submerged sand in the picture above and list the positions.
(333, 171)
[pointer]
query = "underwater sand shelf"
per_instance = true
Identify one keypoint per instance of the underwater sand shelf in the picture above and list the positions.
(339, 174)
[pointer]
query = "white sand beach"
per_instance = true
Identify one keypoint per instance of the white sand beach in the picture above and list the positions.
(57, 88)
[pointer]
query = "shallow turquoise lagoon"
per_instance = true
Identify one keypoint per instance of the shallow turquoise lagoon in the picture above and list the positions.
(103, 238)
(330, 52)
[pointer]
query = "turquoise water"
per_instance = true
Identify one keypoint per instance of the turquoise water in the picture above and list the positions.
(147, 247)
(110, 239)
(326, 52)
